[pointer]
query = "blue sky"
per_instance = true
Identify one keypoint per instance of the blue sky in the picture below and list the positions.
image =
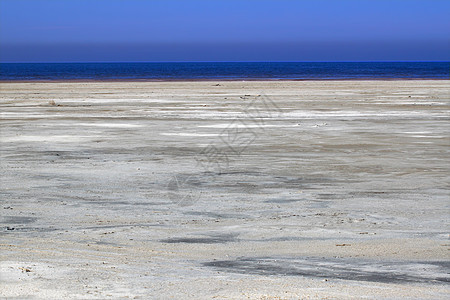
(224, 30)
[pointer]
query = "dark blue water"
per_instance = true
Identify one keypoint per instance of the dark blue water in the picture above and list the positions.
(225, 70)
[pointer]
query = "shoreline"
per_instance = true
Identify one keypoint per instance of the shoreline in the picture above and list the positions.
(220, 80)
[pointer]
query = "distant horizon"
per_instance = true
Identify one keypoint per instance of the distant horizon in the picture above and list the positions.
(274, 61)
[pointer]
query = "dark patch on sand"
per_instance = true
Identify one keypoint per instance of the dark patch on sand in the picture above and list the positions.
(347, 269)
(330, 196)
(212, 239)
(17, 220)
(14, 229)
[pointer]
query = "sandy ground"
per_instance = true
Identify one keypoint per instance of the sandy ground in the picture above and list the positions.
(228, 190)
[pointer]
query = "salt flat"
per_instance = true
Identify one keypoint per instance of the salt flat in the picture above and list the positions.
(260, 190)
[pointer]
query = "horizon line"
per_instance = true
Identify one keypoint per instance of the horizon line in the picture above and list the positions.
(237, 61)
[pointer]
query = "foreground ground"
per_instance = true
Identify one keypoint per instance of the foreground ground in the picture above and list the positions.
(260, 190)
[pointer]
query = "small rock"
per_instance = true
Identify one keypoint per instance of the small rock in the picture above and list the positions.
(27, 270)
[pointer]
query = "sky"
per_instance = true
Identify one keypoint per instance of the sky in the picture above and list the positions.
(224, 30)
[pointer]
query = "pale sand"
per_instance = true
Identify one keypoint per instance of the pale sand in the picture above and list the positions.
(118, 189)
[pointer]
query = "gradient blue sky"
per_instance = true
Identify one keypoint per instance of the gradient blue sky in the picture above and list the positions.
(224, 30)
